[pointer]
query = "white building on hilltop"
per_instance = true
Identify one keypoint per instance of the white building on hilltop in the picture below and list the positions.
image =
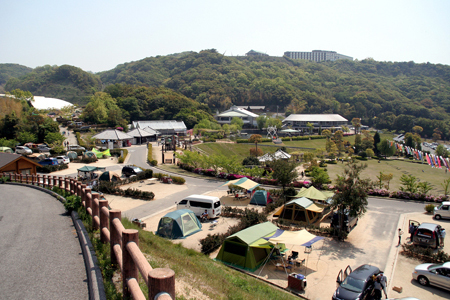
(317, 55)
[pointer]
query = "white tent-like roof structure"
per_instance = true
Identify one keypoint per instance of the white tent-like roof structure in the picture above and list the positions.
(112, 134)
(279, 154)
(138, 132)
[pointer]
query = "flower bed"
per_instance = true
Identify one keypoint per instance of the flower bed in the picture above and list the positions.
(406, 195)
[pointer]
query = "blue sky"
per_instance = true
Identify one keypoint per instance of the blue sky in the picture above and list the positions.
(98, 35)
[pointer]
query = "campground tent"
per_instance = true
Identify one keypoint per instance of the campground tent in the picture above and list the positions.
(109, 176)
(300, 210)
(299, 238)
(260, 197)
(178, 224)
(243, 182)
(279, 154)
(100, 154)
(247, 249)
(314, 194)
(72, 155)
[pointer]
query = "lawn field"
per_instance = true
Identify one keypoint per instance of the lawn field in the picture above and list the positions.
(397, 168)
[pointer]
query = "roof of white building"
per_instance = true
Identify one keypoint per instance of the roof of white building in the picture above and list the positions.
(112, 134)
(139, 132)
(235, 111)
(161, 125)
(316, 118)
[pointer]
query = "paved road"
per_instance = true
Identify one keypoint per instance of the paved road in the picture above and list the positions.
(40, 256)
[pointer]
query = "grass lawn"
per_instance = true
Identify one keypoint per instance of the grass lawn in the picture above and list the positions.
(397, 168)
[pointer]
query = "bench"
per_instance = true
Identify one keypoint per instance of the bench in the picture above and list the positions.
(168, 161)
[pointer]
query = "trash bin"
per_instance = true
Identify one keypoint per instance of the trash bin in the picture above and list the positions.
(297, 281)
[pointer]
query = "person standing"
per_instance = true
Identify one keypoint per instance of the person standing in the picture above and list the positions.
(400, 233)
(443, 233)
(411, 232)
(377, 287)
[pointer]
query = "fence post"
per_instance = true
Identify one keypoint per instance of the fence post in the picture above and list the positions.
(94, 210)
(55, 181)
(130, 269)
(83, 193)
(114, 234)
(66, 184)
(161, 280)
(103, 220)
(88, 199)
(60, 181)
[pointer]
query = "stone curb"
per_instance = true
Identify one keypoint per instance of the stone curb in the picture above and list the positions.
(93, 272)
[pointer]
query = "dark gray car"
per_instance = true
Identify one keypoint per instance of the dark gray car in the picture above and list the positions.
(428, 235)
(356, 285)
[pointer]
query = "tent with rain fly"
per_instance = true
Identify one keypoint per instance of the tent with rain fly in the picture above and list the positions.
(299, 238)
(260, 197)
(247, 249)
(100, 154)
(109, 176)
(178, 224)
(243, 182)
(300, 210)
(72, 155)
(314, 194)
(279, 154)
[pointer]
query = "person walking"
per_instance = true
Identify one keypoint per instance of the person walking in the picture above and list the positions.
(383, 281)
(377, 287)
(400, 233)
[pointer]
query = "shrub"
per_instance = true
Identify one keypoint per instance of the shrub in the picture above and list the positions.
(88, 160)
(73, 203)
(52, 168)
(178, 180)
(256, 152)
(154, 162)
(429, 208)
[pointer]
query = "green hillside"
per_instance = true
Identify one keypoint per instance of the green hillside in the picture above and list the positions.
(65, 82)
(8, 71)
(387, 95)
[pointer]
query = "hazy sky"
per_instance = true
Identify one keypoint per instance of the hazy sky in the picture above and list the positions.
(98, 35)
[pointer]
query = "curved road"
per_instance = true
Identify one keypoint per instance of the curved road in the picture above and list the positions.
(40, 256)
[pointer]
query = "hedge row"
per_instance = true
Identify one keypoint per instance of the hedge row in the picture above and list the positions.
(117, 152)
(287, 138)
(52, 168)
(425, 254)
(175, 179)
(407, 195)
(113, 189)
(150, 159)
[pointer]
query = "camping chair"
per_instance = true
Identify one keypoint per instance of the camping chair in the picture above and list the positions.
(293, 256)
(308, 249)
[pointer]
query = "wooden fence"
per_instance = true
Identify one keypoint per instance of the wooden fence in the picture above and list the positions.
(124, 243)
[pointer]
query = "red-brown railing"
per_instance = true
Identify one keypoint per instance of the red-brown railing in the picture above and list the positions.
(124, 243)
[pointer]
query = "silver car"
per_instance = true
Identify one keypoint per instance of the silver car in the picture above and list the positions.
(23, 150)
(434, 274)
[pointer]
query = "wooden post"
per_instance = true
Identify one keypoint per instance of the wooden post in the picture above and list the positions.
(55, 180)
(114, 234)
(61, 181)
(130, 269)
(66, 184)
(83, 193)
(161, 280)
(95, 210)
(87, 198)
(103, 220)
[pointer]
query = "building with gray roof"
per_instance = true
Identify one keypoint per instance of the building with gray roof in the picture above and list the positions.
(169, 127)
(324, 121)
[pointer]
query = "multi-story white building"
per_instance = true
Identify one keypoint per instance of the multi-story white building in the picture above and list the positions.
(317, 55)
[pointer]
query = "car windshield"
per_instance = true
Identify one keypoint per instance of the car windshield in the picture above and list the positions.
(352, 284)
(137, 169)
(434, 267)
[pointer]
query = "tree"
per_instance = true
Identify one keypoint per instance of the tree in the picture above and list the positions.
(417, 129)
(370, 152)
(284, 171)
(261, 122)
(310, 126)
(237, 122)
(441, 151)
(26, 137)
(338, 138)
(446, 186)
(409, 182)
(351, 192)
(356, 122)
(385, 148)
(376, 140)
(319, 176)
(54, 137)
(255, 138)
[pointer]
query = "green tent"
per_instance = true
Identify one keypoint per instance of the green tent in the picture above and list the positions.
(260, 197)
(247, 249)
(100, 154)
(314, 194)
(178, 224)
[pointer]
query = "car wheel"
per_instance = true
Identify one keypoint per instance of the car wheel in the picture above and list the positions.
(437, 217)
(423, 280)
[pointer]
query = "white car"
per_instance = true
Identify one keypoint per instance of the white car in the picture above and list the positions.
(434, 274)
(63, 159)
(23, 150)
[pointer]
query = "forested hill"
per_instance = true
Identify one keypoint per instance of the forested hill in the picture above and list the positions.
(385, 94)
(8, 71)
(64, 82)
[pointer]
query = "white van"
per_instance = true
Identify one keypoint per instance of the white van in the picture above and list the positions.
(199, 203)
(443, 211)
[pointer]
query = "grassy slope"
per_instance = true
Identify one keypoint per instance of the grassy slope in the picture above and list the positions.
(198, 271)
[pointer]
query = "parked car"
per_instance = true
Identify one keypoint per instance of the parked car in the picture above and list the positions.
(357, 284)
(443, 211)
(43, 148)
(63, 159)
(76, 147)
(23, 150)
(427, 234)
(434, 274)
(51, 161)
(131, 170)
(348, 221)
